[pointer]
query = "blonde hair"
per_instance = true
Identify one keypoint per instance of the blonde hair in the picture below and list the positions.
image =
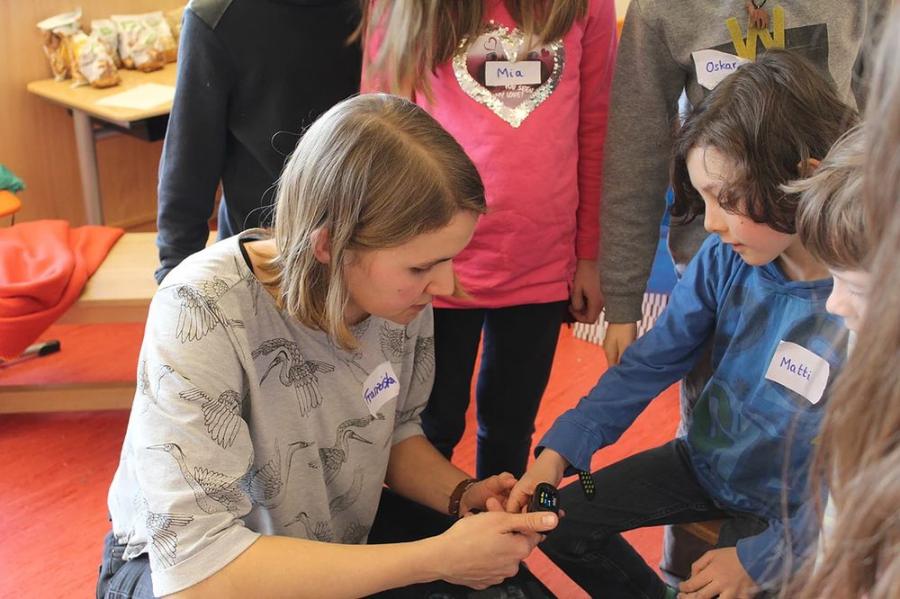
(419, 35)
(831, 219)
(859, 450)
(374, 172)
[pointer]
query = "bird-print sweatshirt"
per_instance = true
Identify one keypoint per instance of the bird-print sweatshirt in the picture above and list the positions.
(247, 423)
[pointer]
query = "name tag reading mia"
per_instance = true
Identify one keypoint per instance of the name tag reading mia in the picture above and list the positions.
(380, 387)
(503, 72)
(799, 370)
(712, 66)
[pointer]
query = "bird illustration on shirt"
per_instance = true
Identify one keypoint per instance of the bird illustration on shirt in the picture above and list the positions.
(266, 484)
(200, 312)
(213, 490)
(294, 371)
(221, 414)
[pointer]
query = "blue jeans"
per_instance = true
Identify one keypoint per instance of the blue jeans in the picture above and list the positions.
(398, 520)
(517, 354)
(120, 579)
(651, 488)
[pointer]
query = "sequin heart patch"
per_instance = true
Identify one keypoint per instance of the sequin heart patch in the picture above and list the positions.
(512, 103)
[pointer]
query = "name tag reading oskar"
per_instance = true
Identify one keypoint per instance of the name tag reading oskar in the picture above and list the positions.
(800, 370)
(380, 387)
(503, 72)
(712, 66)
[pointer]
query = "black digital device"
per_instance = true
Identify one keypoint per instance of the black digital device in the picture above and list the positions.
(544, 499)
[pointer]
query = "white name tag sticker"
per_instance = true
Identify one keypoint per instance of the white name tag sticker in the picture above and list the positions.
(380, 387)
(799, 370)
(503, 72)
(713, 66)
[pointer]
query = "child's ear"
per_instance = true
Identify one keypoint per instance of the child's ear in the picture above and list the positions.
(321, 245)
(807, 167)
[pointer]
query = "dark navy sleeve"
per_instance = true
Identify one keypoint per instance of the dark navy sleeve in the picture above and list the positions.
(652, 363)
(194, 150)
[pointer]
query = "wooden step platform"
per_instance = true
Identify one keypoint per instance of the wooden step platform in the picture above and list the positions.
(119, 292)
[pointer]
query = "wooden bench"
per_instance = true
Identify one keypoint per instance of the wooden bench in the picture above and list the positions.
(708, 531)
(120, 291)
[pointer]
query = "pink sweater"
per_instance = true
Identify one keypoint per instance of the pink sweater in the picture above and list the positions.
(539, 150)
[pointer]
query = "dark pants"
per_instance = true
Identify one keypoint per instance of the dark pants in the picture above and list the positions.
(517, 354)
(398, 520)
(651, 488)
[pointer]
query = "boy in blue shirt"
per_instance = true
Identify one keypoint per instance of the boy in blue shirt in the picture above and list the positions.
(759, 296)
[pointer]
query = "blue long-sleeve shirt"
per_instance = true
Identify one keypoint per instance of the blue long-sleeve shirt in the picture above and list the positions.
(748, 431)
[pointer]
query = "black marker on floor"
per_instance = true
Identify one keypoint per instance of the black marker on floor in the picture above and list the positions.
(36, 350)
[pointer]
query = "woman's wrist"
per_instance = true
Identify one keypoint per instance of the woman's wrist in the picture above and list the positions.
(430, 560)
(456, 496)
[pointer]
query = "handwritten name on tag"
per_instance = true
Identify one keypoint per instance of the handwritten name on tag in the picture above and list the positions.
(713, 66)
(800, 370)
(380, 387)
(502, 72)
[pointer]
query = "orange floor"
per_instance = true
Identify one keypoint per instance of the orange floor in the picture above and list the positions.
(55, 469)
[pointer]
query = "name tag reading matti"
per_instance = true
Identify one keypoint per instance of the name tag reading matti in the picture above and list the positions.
(380, 387)
(800, 370)
(502, 72)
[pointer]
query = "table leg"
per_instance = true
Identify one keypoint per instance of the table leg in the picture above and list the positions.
(87, 166)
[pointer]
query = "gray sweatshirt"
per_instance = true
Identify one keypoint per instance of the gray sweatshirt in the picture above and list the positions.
(654, 65)
(247, 423)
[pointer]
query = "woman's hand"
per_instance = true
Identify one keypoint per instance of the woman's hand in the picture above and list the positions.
(495, 487)
(485, 549)
(718, 573)
(587, 299)
(547, 468)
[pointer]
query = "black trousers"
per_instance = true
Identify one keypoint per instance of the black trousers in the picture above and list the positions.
(651, 488)
(517, 354)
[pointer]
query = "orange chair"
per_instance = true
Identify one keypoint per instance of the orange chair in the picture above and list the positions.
(9, 205)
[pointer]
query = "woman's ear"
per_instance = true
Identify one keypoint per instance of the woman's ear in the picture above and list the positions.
(808, 167)
(321, 245)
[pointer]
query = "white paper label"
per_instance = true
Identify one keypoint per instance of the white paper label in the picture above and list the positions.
(713, 66)
(799, 370)
(502, 72)
(381, 386)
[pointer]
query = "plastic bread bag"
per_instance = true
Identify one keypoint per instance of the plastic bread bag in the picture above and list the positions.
(106, 32)
(166, 41)
(92, 63)
(140, 46)
(57, 31)
(173, 18)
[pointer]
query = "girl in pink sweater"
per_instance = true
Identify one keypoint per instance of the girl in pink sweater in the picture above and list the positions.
(523, 86)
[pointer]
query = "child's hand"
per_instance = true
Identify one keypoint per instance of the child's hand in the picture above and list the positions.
(547, 468)
(619, 335)
(718, 573)
(587, 299)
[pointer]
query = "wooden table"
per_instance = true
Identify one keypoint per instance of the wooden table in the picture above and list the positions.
(93, 121)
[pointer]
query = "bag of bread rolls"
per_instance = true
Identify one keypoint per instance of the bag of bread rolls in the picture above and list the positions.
(92, 63)
(106, 32)
(57, 31)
